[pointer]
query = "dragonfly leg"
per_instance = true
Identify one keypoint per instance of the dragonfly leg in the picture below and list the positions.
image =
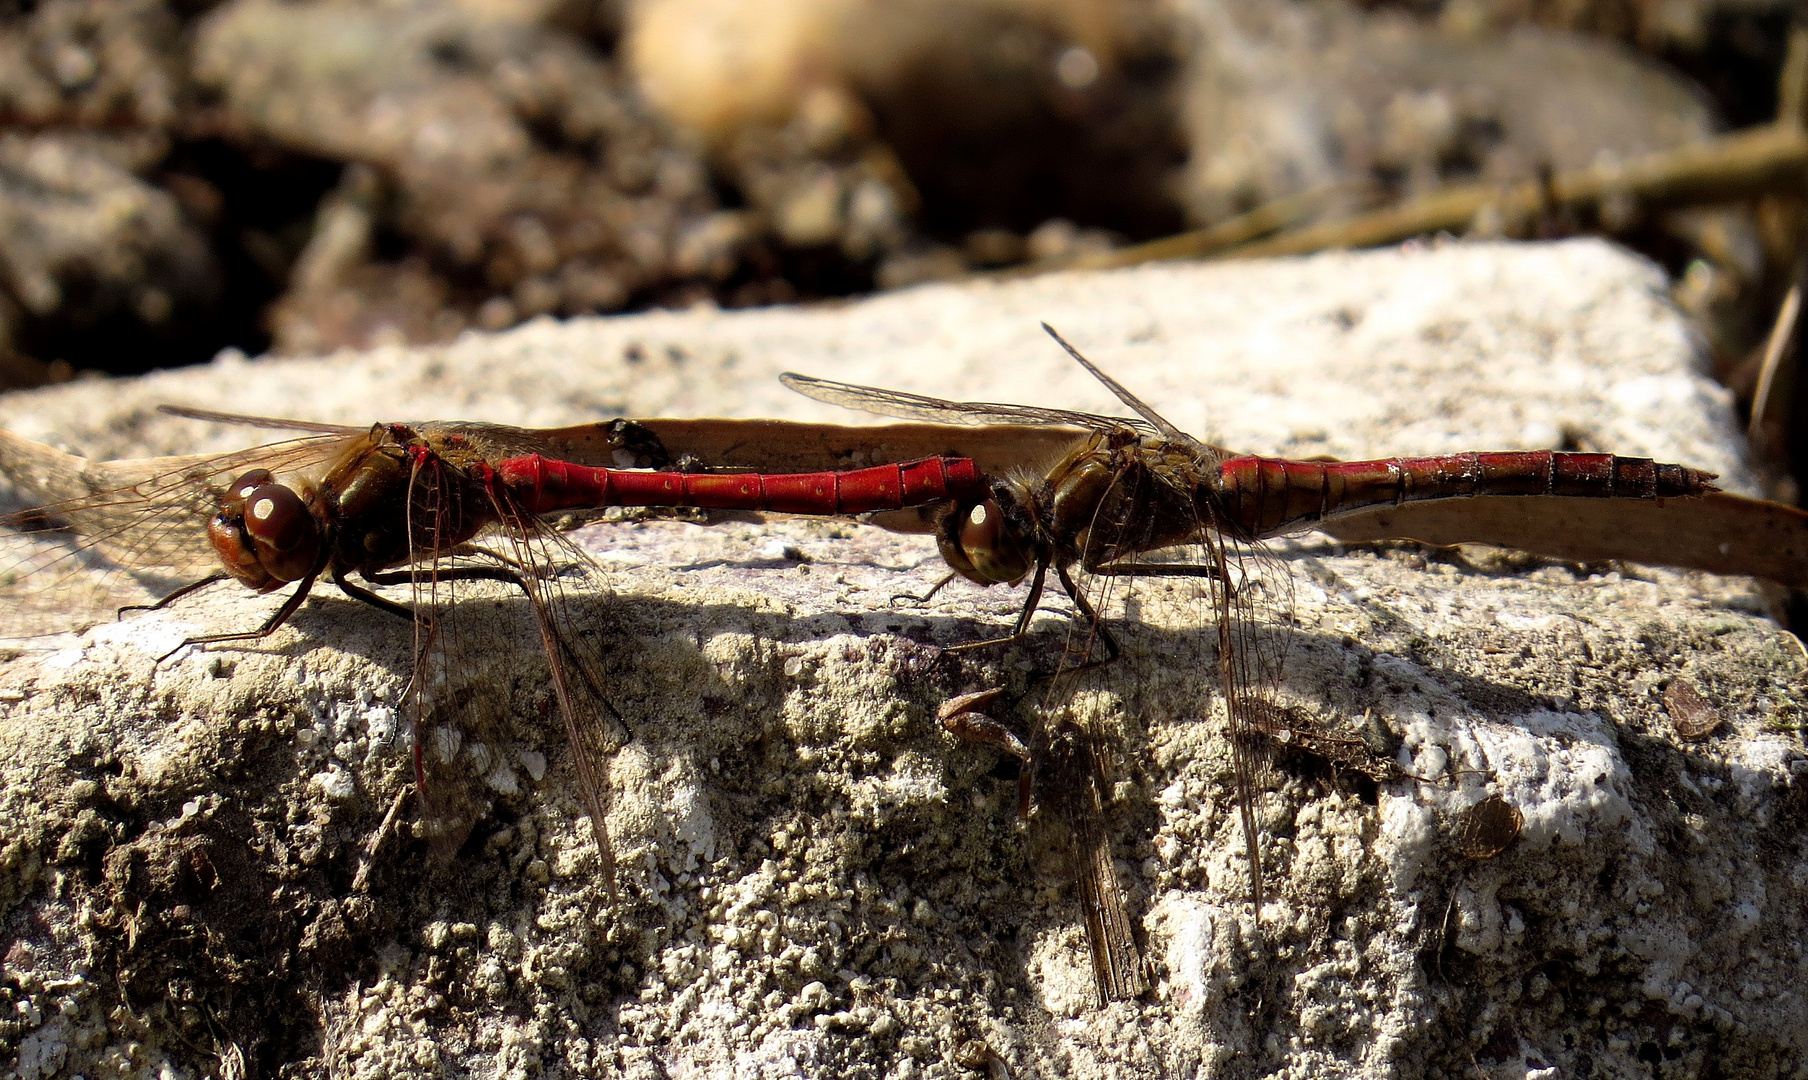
(381, 603)
(457, 573)
(1023, 617)
(191, 587)
(1097, 625)
(1156, 570)
(419, 577)
(282, 614)
(926, 597)
(472, 551)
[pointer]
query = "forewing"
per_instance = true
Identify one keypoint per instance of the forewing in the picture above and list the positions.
(269, 423)
(620, 443)
(115, 533)
(1156, 421)
(903, 406)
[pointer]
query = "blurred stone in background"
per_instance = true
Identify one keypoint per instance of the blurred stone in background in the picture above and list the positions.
(960, 115)
(299, 177)
(93, 259)
(94, 255)
(500, 167)
(1284, 97)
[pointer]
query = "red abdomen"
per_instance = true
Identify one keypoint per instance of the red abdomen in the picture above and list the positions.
(544, 484)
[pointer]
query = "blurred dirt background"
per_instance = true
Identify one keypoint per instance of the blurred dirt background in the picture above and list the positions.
(182, 177)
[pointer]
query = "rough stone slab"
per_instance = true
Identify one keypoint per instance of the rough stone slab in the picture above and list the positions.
(816, 880)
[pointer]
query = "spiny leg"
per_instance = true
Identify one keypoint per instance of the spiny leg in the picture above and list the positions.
(381, 603)
(1091, 615)
(282, 614)
(419, 577)
(1023, 616)
(1155, 570)
(928, 596)
(191, 587)
(456, 573)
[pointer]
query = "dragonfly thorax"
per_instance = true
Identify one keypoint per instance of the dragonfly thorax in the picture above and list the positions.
(366, 496)
(1114, 505)
(399, 501)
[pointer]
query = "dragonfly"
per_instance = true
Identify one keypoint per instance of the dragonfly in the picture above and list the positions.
(1130, 487)
(428, 506)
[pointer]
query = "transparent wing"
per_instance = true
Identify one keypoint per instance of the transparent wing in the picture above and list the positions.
(560, 579)
(458, 732)
(1252, 595)
(1156, 421)
(273, 423)
(1243, 589)
(903, 406)
(1070, 778)
(623, 444)
(456, 725)
(116, 533)
(1071, 781)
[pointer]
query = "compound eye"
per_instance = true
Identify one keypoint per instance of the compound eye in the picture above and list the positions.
(983, 527)
(990, 545)
(251, 481)
(286, 535)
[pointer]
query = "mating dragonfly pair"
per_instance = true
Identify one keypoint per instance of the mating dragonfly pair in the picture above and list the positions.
(428, 506)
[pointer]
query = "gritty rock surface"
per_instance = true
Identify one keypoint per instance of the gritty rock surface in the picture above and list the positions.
(814, 878)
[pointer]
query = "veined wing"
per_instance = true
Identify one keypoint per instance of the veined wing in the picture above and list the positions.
(557, 578)
(560, 577)
(1248, 585)
(116, 533)
(273, 423)
(1155, 420)
(903, 406)
(620, 443)
(1243, 589)
(1070, 780)
(1063, 777)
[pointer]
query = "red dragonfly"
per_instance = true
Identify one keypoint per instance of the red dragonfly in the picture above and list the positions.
(427, 506)
(1136, 486)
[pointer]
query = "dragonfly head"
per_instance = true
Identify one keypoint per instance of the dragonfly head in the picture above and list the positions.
(264, 533)
(983, 542)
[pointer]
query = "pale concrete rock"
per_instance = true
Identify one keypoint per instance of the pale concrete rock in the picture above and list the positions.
(815, 879)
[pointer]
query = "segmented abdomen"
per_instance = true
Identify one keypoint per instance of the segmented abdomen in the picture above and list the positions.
(544, 484)
(1271, 495)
